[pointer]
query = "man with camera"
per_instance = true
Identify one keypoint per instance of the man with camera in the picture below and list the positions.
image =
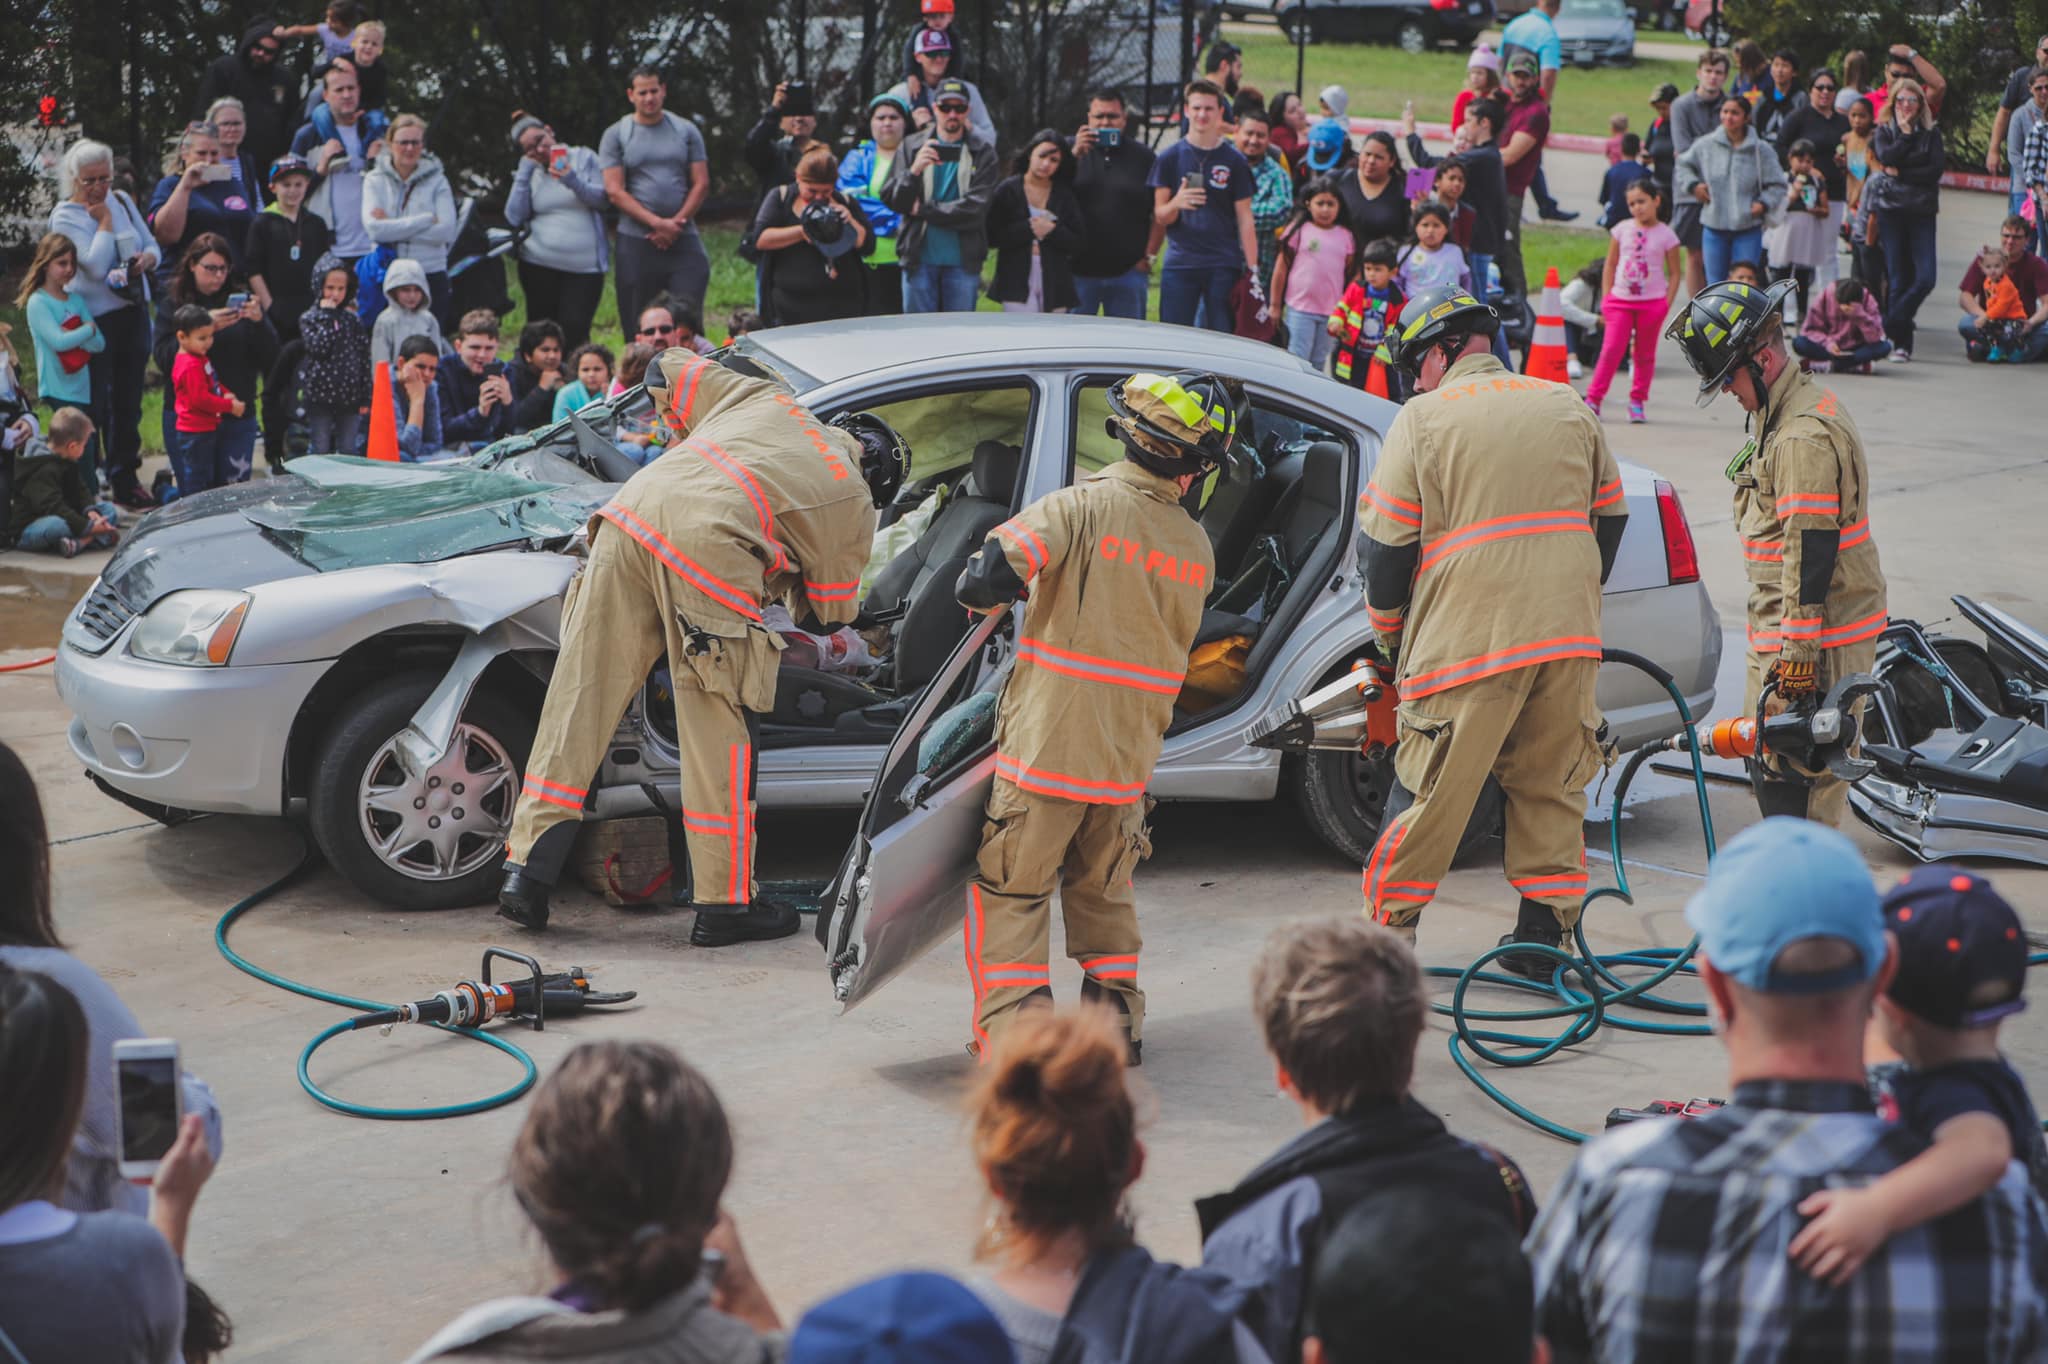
(783, 135)
(941, 185)
(1112, 182)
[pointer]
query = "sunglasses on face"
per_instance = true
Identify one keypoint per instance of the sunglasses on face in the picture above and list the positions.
(265, 49)
(407, 142)
(658, 331)
(1824, 89)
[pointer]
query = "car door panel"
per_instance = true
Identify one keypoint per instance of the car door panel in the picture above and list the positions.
(902, 886)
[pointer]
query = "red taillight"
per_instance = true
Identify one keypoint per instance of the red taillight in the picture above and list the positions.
(1443, 4)
(1679, 554)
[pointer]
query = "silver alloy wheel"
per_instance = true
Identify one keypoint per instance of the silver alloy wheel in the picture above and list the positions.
(447, 823)
(1411, 37)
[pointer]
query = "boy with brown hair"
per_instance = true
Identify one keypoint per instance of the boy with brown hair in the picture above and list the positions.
(50, 511)
(1341, 1004)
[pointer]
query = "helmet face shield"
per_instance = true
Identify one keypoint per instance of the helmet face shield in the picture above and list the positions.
(1432, 317)
(1184, 423)
(1722, 326)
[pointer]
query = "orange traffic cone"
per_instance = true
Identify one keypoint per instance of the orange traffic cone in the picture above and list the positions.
(1376, 378)
(1547, 346)
(384, 415)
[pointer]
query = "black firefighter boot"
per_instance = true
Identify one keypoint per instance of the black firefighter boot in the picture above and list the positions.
(523, 898)
(769, 917)
(1091, 993)
(1535, 923)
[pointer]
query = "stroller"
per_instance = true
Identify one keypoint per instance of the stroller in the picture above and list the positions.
(1960, 738)
(476, 274)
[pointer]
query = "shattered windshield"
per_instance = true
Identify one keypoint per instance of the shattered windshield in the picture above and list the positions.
(377, 512)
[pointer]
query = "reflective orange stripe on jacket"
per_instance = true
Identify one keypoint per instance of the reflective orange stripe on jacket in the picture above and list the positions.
(1505, 660)
(832, 591)
(1855, 533)
(684, 567)
(1384, 622)
(1809, 630)
(1067, 787)
(1407, 513)
(1089, 668)
(1808, 504)
(1607, 495)
(1028, 544)
(750, 487)
(1503, 528)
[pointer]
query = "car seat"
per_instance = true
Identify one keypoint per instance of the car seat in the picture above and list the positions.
(976, 507)
(1280, 547)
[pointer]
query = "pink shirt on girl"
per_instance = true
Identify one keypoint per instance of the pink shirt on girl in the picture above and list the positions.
(1639, 272)
(1315, 277)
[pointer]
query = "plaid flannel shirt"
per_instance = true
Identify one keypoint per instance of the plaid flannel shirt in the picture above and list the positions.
(1667, 1243)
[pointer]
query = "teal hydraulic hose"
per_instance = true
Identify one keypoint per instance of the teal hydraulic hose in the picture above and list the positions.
(1587, 1010)
(241, 963)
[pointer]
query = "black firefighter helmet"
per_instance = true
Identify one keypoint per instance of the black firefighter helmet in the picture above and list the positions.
(1435, 316)
(1722, 327)
(884, 454)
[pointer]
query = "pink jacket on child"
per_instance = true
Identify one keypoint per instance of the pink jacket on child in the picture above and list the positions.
(1842, 327)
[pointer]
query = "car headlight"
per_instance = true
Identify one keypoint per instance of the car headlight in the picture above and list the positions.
(193, 628)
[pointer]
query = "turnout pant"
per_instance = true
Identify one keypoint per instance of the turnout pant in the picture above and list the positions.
(620, 616)
(1826, 798)
(1533, 729)
(1030, 845)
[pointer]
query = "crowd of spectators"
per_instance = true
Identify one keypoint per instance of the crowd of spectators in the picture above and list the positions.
(1767, 161)
(1872, 1188)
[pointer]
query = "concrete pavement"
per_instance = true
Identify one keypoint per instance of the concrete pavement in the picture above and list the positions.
(329, 1238)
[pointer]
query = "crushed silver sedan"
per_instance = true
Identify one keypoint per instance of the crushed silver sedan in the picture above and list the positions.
(366, 646)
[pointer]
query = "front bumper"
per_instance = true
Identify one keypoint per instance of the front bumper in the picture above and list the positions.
(204, 739)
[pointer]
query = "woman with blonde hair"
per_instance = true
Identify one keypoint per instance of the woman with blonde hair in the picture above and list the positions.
(1054, 1125)
(231, 122)
(408, 206)
(1905, 193)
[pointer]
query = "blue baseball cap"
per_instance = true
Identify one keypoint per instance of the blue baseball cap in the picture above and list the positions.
(1962, 951)
(1783, 881)
(911, 1318)
(1327, 139)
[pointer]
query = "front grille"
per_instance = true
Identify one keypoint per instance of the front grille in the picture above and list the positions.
(102, 614)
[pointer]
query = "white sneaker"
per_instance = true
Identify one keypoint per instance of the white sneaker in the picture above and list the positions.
(1900, 356)
(1572, 368)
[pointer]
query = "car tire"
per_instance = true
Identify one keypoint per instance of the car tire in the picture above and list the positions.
(1344, 797)
(1292, 25)
(1412, 37)
(494, 734)
(1716, 32)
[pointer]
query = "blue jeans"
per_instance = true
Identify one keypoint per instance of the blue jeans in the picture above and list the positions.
(1870, 352)
(1721, 249)
(1909, 263)
(1198, 296)
(940, 288)
(1308, 336)
(1115, 296)
(42, 534)
(2033, 347)
(334, 431)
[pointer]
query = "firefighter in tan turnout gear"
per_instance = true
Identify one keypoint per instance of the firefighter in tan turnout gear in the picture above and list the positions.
(1802, 513)
(1114, 572)
(1491, 520)
(759, 501)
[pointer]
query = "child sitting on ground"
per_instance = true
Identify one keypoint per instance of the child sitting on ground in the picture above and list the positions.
(50, 510)
(406, 312)
(1361, 322)
(2005, 315)
(1844, 330)
(1962, 968)
(199, 402)
(592, 366)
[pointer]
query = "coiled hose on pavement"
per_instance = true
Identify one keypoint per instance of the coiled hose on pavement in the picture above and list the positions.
(355, 1110)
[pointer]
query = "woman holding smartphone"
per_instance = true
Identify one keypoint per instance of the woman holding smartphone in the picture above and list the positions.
(558, 197)
(197, 195)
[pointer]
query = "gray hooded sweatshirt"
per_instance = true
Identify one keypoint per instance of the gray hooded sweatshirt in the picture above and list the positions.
(419, 211)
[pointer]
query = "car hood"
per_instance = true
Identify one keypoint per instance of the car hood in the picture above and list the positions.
(330, 512)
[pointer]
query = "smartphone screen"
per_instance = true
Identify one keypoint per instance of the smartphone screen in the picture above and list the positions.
(1192, 180)
(149, 1105)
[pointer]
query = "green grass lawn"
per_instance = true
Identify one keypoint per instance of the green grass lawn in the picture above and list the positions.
(1381, 78)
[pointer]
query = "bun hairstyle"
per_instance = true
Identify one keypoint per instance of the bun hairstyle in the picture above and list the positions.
(1055, 1131)
(620, 1168)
